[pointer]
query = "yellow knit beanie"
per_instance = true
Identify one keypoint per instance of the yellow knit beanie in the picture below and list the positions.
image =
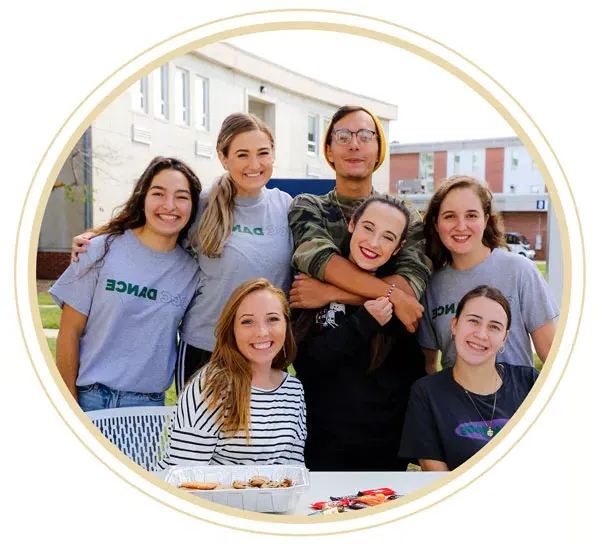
(380, 134)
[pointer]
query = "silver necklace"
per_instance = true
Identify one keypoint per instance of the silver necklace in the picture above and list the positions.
(490, 431)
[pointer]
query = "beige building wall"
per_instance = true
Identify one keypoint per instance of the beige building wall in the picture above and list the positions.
(125, 140)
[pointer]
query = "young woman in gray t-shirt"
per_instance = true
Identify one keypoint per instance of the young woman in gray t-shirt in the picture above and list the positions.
(465, 242)
(123, 300)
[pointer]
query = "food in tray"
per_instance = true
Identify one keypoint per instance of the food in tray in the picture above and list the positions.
(195, 485)
(258, 481)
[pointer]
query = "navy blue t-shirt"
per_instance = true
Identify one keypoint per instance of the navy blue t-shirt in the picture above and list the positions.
(443, 424)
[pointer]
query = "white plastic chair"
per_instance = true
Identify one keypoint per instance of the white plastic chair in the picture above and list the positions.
(141, 433)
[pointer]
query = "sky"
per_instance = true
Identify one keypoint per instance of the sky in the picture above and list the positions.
(432, 104)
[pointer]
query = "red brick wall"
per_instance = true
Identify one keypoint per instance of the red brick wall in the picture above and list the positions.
(403, 166)
(440, 167)
(50, 265)
(494, 169)
(526, 223)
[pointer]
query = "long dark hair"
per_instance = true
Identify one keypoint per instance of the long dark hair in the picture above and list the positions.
(132, 215)
(380, 341)
(493, 234)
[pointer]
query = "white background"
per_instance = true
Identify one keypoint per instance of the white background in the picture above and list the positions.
(55, 53)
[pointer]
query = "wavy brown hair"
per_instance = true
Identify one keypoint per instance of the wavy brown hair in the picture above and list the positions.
(216, 223)
(228, 376)
(493, 234)
(132, 214)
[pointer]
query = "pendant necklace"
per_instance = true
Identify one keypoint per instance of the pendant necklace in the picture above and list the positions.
(490, 431)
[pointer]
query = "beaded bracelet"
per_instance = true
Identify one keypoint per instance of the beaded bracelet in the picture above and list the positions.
(390, 291)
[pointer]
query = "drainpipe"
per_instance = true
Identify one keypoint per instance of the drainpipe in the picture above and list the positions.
(87, 177)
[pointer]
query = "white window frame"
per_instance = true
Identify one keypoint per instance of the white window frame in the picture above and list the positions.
(201, 110)
(139, 95)
(423, 171)
(312, 143)
(182, 96)
(514, 159)
(456, 164)
(160, 78)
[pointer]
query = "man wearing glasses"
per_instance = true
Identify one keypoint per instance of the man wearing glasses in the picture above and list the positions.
(354, 147)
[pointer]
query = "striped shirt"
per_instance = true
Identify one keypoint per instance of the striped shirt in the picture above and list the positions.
(277, 429)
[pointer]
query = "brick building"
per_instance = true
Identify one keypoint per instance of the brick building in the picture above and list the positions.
(504, 163)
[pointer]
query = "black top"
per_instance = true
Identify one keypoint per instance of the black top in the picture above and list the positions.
(443, 424)
(355, 416)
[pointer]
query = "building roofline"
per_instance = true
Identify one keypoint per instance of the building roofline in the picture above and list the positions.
(228, 55)
(452, 145)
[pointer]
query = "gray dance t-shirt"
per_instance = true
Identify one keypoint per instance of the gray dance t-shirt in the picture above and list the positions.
(260, 246)
(134, 301)
(519, 280)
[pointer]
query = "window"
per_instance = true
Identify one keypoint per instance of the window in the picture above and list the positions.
(160, 81)
(182, 96)
(426, 168)
(514, 159)
(139, 95)
(201, 102)
(456, 163)
(312, 134)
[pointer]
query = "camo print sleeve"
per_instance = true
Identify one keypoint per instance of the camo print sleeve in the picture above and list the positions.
(314, 244)
(411, 262)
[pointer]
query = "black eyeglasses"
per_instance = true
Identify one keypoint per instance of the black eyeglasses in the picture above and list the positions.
(344, 136)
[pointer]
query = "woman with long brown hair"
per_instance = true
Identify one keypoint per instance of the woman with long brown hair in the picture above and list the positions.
(243, 407)
(357, 363)
(123, 300)
(465, 242)
(454, 413)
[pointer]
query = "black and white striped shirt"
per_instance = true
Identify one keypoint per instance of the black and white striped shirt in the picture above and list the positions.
(277, 429)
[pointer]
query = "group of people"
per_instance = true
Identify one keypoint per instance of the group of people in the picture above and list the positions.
(224, 290)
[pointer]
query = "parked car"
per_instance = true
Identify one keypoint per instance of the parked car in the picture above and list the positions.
(519, 245)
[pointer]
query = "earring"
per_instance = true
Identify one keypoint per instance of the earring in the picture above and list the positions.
(284, 353)
(502, 349)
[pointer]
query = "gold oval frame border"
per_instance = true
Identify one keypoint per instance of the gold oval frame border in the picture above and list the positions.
(297, 19)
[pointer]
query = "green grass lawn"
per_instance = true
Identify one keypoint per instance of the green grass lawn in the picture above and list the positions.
(45, 299)
(541, 265)
(51, 317)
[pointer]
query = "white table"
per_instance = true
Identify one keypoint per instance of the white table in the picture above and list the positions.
(325, 484)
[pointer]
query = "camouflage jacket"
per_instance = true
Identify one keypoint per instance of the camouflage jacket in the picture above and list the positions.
(319, 229)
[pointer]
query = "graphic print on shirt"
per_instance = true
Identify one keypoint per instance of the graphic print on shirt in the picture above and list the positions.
(329, 316)
(479, 429)
(450, 308)
(247, 230)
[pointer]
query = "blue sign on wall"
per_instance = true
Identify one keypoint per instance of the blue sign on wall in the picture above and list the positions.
(541, 204)
(295, 186)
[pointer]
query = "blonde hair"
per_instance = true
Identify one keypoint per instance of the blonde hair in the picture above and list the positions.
(216, 223)
(228, 375)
